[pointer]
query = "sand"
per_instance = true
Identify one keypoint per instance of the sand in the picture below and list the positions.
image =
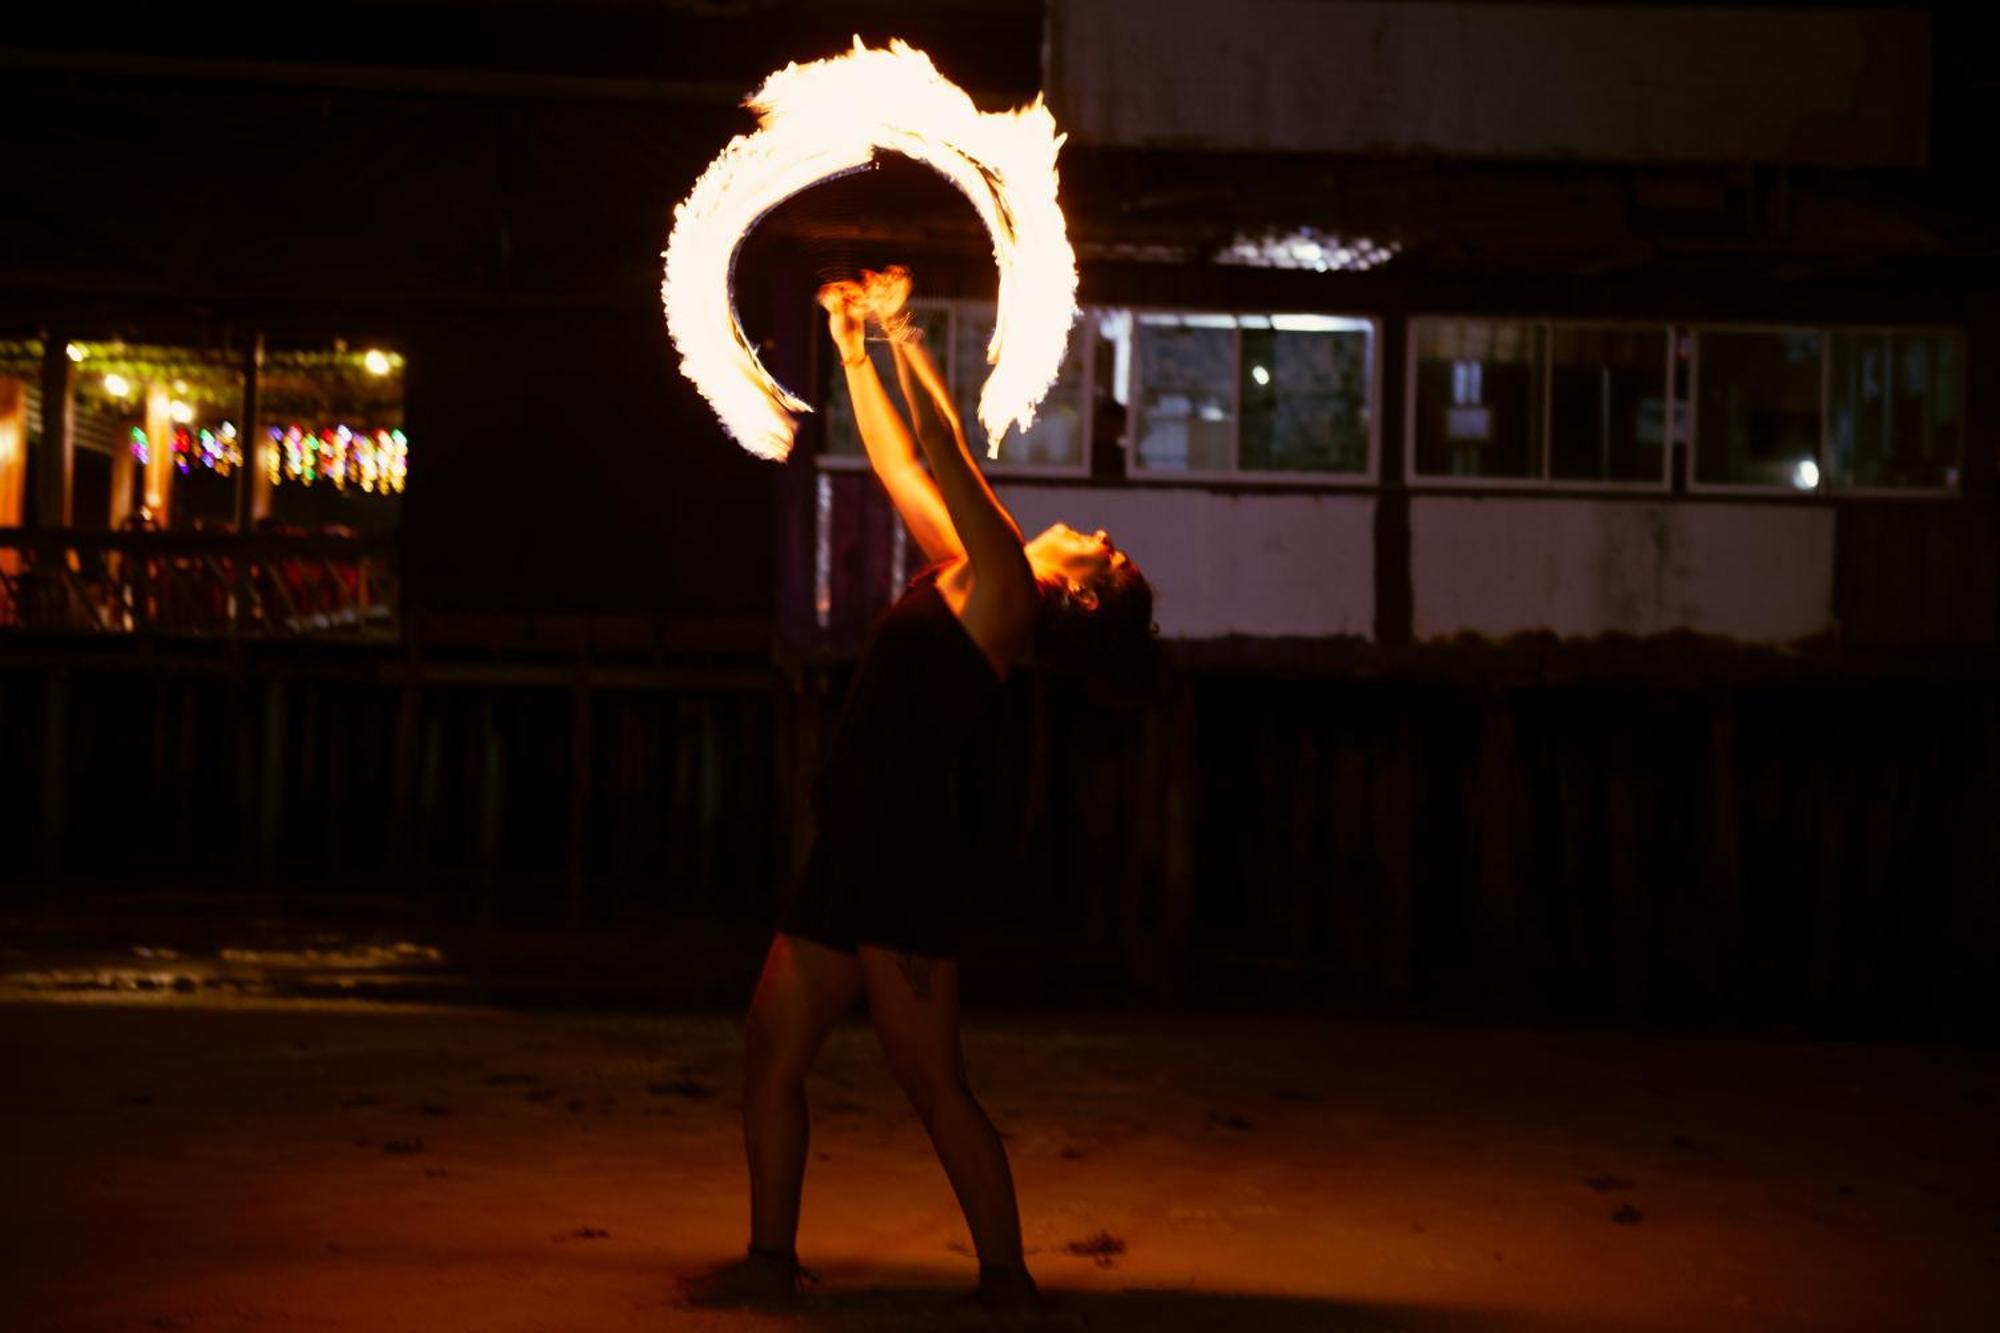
(189, 1161)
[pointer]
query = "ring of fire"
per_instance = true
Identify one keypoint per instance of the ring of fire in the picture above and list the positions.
(824, 119)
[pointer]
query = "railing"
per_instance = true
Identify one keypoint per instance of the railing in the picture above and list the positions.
(197, 583)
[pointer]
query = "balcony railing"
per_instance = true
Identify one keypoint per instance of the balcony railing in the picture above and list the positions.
(197, 583)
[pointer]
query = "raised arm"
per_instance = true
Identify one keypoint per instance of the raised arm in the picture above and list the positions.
(890, 450)
(1003, 593)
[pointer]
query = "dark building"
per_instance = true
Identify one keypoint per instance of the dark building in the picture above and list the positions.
(1561, 437)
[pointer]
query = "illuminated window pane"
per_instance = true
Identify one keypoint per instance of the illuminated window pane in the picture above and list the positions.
(1305, 385)
(1607, 404)
(1757, 407)
(1893, 404)
(843, 440)
(1056, 438)
(1479, 397)
(1186, 417)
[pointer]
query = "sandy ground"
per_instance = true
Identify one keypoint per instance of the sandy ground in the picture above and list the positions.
(196, 1162)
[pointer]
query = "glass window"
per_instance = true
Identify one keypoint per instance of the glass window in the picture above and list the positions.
(1478, 410)
(1757, 407)
(1305, 386)
(1607, 403)
(1187, 393)
(843, 439)
(166, 417)
(1893, 410)
(332, 451)
(1221, 393)
(1056, 438)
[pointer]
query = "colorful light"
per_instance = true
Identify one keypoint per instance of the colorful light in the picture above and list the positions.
(180, 412)
(830, 117)
(376, 461)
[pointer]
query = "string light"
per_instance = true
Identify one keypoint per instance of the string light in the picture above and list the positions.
(376, 361)
(375, 461)
(117, 385)
(77, 351)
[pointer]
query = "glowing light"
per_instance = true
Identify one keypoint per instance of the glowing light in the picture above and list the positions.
(376, 361)
(1805, 475)
(117, 385)
(77, 351)
(1308, 248)
(1261, 375)
(830, 117)
(377, 461)
(181, 412)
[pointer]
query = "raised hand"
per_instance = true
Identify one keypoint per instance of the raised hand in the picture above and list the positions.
(847, 311)
(888, 294)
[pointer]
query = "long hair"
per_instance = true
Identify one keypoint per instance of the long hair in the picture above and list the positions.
(1114, 645)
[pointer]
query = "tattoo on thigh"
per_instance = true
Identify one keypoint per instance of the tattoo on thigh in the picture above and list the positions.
(917, 971)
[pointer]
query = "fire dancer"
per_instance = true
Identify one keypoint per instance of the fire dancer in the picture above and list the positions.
(878, 908)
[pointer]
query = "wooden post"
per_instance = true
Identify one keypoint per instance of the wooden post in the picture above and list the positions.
(253, 481)
(13, 459)
(160, 453)
(55, 463)
(271, 775)
(1724, 956)
(492, 798)
(1182, 854)
(581, 750)
(55, 772)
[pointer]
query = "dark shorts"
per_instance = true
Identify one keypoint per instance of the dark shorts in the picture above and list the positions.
(900, 907)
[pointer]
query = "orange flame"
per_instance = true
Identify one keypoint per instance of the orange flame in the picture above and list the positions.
(819, 120)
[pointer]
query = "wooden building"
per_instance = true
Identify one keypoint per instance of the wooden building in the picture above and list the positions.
(1561, 437)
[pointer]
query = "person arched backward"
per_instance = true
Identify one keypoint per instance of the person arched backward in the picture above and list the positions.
(877, 908)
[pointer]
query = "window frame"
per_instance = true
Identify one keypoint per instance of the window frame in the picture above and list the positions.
(1545, 482)
(1766, 489)
(1957, 336)
(1827, 490)
(993, 467)
(1272, 478)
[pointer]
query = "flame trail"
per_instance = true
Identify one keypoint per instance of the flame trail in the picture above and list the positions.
(824, 119)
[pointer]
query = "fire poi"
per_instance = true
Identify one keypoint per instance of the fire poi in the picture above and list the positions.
(824, 119)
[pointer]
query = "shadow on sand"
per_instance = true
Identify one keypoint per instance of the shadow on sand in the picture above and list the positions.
(922, 1304)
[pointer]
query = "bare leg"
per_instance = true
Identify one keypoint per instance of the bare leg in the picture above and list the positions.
(913, 1001)
(804, 990)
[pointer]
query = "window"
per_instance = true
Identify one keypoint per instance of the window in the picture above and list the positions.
(1608, 404)
(1758, 398)
(1257, 394)
(1186, 417)
(1893, 411)
(1478, 398)
(957, 333)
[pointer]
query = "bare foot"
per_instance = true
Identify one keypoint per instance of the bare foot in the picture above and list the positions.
(757, 1279)
(1008, 1290)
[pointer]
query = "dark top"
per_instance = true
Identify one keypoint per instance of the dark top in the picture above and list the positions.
(890, 863)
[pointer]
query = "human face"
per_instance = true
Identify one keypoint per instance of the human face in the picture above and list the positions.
(1080, 560)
